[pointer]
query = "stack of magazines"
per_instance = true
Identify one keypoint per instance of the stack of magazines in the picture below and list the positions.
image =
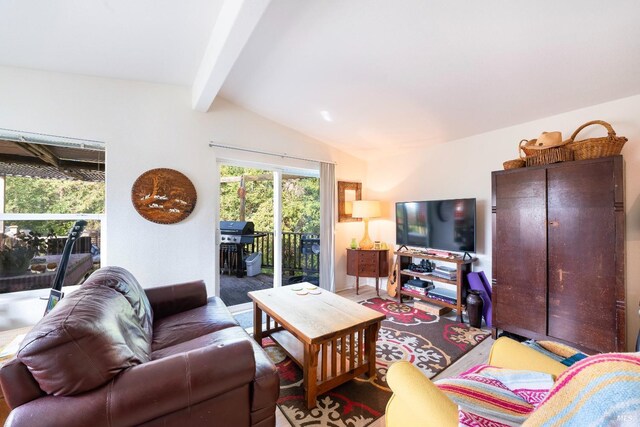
(444, 272)
(418, 286)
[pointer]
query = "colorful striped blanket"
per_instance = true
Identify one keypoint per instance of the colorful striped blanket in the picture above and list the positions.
(601, 390)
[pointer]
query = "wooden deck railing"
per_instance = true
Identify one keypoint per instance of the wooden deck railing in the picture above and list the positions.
(298, 250)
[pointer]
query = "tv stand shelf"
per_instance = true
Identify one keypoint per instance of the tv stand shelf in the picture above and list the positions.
(463, 267)
(428, 276)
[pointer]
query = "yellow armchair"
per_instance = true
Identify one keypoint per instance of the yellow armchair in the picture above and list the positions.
(416, 401)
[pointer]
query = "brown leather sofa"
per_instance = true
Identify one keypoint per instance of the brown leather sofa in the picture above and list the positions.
(113, 354)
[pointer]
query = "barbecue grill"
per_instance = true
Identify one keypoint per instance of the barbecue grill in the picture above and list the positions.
(236, 232)
(233, 236)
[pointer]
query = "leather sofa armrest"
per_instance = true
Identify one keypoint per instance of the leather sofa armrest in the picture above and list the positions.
(416, 400)
(83, 410)
(18, 385)
(156, 388)
(510, 354)
(172, 299)
(147, 391)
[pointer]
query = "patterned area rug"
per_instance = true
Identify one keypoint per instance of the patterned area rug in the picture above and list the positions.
(429, 342)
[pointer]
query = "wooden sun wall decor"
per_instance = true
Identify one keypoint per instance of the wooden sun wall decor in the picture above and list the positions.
(163, 196)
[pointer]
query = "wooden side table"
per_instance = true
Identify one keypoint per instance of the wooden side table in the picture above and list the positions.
(5, 338)
(368, 263)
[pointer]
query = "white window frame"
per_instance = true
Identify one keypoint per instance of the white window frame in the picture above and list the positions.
(62, 141)
(47, 217)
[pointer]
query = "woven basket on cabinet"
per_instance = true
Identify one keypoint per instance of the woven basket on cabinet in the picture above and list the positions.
(526, 147)
(516, 163)
(594, 148)
(549, 156)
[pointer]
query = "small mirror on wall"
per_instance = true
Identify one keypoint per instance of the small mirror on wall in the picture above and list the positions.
(348, 192)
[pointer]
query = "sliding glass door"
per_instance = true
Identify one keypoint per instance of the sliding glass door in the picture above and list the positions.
(246, 255)
(300, 228)
(268, 231)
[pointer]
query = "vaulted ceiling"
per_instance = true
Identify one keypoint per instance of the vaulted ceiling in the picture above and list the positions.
(359, 74)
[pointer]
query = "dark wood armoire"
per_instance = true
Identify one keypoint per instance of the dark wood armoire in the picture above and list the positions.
(558, 253)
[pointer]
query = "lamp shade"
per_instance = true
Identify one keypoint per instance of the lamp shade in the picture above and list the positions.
(348, 208)
(366, 209)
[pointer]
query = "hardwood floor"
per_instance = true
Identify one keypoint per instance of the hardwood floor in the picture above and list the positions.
(478, 355)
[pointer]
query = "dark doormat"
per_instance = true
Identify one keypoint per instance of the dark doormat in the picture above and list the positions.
(233, 290)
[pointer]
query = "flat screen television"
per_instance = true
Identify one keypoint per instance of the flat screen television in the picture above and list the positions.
(448, 225)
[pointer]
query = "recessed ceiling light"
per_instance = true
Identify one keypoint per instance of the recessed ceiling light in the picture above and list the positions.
(326, 116)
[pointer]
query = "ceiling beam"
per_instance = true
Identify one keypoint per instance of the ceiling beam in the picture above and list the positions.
(235, 23)
(64, 164)
(41, 152)
(48, 157)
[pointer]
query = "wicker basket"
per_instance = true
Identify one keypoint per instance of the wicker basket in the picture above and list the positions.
(528, 151)
(516, 163)
(549, 156)
(594, 148)
(513, 164)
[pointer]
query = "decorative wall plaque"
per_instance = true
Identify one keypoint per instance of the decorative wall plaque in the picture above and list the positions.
(164, 196)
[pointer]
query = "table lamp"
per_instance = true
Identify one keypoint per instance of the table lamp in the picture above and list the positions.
(348, 208)
(366, 209)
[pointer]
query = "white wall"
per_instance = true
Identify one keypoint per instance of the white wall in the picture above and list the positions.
(148, 126)
(462, 168)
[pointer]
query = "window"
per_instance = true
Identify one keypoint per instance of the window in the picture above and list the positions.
(46, 184)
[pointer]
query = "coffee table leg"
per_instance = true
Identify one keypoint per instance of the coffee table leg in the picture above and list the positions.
(370, 344)
(310, 373)
(257, 323)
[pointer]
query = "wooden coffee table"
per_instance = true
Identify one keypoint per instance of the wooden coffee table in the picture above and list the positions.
(330, 337)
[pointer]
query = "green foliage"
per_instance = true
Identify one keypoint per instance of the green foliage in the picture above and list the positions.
(16, 252)
(37, 195)
(53, 227)
(301, 205)
(300, 200)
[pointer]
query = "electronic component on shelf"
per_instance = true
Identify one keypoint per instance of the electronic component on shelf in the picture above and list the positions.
(425, 266)
(420, 283)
